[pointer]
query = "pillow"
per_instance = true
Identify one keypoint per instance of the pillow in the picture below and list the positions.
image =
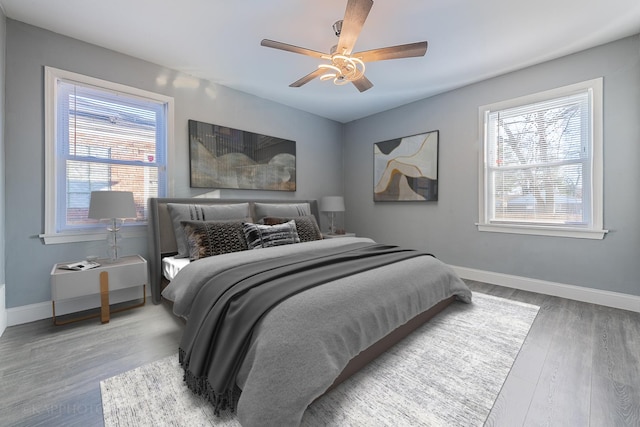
(282, 209)
(208, 238)
(185, 212)
(265, 236)
(307, 226)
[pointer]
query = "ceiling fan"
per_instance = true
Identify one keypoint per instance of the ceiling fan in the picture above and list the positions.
(345, 66)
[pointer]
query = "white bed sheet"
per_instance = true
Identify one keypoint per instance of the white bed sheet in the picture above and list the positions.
(171, 265)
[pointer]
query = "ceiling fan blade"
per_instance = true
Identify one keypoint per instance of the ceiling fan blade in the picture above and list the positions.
(306, 79)
(291, 48)
(362, 84)
(354, 17)
(393, 52)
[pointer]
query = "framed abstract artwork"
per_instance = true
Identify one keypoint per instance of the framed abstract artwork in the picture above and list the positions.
(222, 157)
(406, 169)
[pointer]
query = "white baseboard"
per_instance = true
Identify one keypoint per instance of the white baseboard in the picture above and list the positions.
(38, 311)
(43, 310)
(577, 293)
(3, 310)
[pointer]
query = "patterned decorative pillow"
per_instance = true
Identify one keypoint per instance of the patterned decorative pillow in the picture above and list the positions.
(265, 236)
(307, 226)
(186, 212)
(208, 238)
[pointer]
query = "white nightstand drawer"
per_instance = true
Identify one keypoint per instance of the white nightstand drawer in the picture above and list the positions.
(126, 272)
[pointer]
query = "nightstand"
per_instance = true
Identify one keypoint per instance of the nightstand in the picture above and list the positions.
(125, 272)
(334, 236)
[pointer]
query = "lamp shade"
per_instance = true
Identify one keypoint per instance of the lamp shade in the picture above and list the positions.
(112, 204)
(332, 204)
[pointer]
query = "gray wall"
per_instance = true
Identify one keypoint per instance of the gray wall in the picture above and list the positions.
(3, 26)
(29, 49)
(447, 228)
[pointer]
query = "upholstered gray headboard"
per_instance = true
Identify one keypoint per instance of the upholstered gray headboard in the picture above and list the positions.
(161, 236)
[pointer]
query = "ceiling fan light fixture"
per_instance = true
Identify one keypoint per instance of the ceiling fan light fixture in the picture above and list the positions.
(341, 80)
(328, 76)
(330, 67)
(343, 69)
(331, 71)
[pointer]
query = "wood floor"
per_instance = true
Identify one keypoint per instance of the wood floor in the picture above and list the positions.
(579, 366)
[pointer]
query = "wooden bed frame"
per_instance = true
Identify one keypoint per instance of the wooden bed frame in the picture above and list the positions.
(162, 243)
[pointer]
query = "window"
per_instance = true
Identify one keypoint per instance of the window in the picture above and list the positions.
(100, 136)
(541, 163)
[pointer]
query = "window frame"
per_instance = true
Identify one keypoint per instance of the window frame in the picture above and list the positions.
(593, 230)
(51, 77)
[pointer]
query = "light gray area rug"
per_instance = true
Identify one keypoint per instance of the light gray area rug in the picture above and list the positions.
(449, 372)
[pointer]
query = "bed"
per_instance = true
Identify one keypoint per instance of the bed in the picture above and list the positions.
(323, 308)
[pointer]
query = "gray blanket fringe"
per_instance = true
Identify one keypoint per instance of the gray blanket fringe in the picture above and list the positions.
(201, 386)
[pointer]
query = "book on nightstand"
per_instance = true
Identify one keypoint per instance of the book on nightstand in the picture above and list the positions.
(79, 266)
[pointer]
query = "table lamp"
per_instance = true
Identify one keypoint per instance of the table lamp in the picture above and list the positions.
(114, 206)
(332, 204)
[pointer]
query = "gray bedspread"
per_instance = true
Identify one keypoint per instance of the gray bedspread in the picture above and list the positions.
(303, 344)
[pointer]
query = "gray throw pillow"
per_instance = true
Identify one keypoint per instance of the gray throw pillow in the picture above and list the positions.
(265, 236)
(306, 225)
(282, 209)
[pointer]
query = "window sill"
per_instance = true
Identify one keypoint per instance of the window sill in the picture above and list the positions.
(544, 231)
(90, 235)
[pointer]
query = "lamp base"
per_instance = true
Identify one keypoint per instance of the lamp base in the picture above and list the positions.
(113, 235)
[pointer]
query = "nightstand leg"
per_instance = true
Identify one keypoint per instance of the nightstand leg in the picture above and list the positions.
(104, 297)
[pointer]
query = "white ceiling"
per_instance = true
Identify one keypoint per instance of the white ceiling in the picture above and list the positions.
(219, 40)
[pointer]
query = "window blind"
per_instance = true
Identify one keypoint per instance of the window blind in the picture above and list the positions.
(538, 162)
(106, 140)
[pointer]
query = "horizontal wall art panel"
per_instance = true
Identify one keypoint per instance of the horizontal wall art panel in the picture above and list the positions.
(222, 157)
(406, 169)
